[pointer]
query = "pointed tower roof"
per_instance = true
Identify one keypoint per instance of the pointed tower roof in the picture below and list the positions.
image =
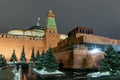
(50, 11)
(51, 23)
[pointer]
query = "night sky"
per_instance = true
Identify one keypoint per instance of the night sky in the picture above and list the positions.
(101, 15)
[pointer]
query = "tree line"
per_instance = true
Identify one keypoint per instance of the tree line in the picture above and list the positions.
(45, 60)
(3, 61)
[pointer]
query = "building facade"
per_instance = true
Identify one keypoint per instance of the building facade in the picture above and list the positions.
(36, 36)
(83, 49)
(80, 49)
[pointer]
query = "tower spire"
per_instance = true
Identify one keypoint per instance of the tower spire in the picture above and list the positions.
(38, 22)
(50, 11)
(51, 23)
(51, 35)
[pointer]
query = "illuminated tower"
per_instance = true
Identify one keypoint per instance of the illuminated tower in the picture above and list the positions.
(51, 35)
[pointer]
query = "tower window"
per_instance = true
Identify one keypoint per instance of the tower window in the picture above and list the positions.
(49, 31)
(2, 36)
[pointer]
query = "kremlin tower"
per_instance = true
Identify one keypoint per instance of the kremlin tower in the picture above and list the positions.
(51, 35)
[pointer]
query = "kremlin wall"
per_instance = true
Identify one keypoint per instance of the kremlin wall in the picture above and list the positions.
(36, 36)
(80, 49)
(10, 42)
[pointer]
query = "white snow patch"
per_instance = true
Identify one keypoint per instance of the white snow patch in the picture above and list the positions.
(43, 72)
(98, 74)
(17, 75)
(11, 63)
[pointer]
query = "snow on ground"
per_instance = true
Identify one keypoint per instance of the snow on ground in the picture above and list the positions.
(98, 74)
(10, 63)
(17, 75)
(43, 72)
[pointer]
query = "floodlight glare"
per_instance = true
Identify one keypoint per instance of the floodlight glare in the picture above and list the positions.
(95, 50)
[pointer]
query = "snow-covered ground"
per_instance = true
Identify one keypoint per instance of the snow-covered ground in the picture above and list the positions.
(98, 74)
(10, 63)
(43, 72)
(17, 74)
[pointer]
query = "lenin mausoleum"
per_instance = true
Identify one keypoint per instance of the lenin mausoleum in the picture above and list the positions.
(80, 48)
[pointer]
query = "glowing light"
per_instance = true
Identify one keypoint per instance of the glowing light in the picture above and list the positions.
(95, 50)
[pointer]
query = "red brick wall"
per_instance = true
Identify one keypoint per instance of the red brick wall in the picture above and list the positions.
(8, 44)
(79, 54)
(51, 38)
(66, 58)
(97, 39)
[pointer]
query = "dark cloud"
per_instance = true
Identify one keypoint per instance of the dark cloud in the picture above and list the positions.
(102, 15)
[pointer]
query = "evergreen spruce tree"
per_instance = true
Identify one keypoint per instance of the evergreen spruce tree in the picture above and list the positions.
(3, 61)
(39, 65)
(51, 64)
(43, 58)
(32, 56)
(37, 56)
(118, 60)
(13, 57)
(111, 61)
(23, 58)
(41, 62)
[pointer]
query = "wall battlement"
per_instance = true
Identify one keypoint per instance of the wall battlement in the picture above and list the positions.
(9, 36)
(10, 42)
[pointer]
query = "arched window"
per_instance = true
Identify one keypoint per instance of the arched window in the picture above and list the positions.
(49, 31)
(2, 35)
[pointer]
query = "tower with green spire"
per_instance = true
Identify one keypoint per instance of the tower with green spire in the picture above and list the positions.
(51, 34)
(51, 23)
